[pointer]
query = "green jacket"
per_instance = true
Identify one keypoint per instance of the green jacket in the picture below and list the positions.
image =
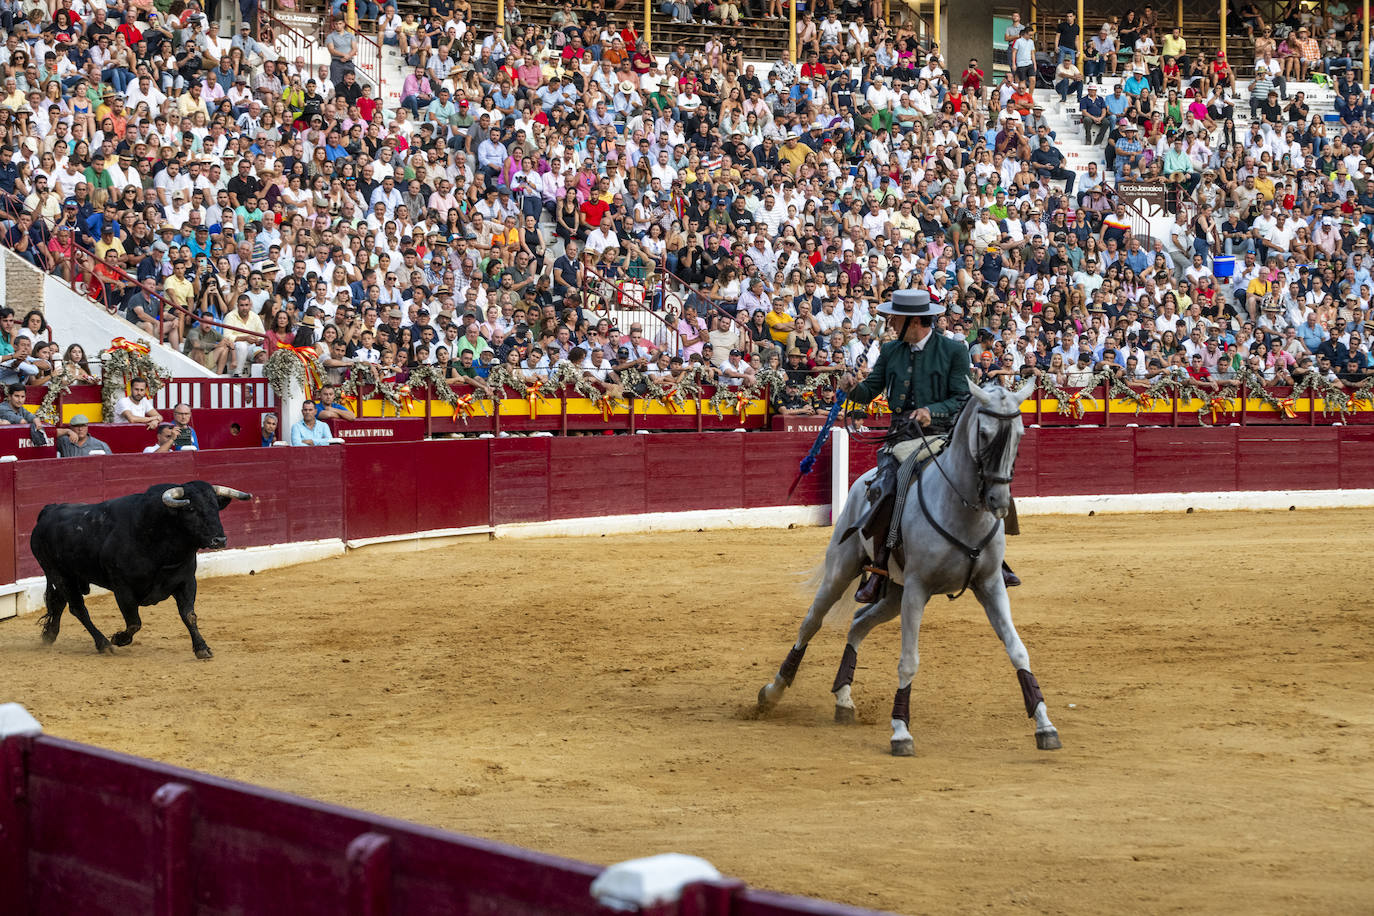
(936, 378)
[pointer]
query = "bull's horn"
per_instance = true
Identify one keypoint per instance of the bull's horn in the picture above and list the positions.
(983, 397)
(174, 498)
(231, 493)
(1024, 392)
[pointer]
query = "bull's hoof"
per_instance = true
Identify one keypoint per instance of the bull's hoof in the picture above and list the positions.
(122, 639)
(903, 747)
(845, 715)
(204, 652)
(1048, 740)
(50, 636)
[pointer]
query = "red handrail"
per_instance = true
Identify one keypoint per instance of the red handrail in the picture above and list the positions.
(643, 303)
(374, 52)
(300, 42)
(166, 303)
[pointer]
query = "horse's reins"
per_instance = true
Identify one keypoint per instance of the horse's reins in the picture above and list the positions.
(994, 447)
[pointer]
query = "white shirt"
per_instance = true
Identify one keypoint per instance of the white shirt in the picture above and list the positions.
(127, 404)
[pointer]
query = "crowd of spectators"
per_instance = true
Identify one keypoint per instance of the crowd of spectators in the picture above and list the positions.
(233, 201)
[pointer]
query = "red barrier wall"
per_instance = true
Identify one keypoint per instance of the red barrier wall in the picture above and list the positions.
(235, 428)
(85, 830)
(398, 488)
(365, 490)
(519, 481)
(8, 570)
(299, 491)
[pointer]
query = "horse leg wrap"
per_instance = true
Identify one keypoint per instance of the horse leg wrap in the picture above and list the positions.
(790, 665)
(1030, 691)
(901, 705)
(845, 676)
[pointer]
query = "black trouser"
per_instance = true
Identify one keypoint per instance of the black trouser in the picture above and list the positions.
(1097, 131)
(884, 487)
(883, 490)
(1064, 175)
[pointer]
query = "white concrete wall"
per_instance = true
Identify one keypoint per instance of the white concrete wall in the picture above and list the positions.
(76, 319)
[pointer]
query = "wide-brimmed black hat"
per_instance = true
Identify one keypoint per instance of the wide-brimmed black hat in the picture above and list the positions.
(911, 303)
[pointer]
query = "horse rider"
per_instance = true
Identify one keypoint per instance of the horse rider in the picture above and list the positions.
(925, 376)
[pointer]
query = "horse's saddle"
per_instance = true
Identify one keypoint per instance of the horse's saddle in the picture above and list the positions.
(912, 456)
(919, 451)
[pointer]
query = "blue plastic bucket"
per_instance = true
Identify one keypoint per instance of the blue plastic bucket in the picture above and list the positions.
(1223, 266)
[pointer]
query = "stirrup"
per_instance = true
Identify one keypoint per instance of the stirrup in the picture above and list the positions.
(877, 571)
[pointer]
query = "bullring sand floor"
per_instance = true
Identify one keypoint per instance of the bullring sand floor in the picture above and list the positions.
(593, 698)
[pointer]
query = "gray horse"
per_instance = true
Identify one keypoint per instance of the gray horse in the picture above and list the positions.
(952, 540)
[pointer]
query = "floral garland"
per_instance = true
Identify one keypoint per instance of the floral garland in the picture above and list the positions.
(351, 389)
(427, 376)
(500, 378)
(674, 397)
(739, 399)
(1334, 397)
(123, 362)
(1363, 393)
(566, 375)
(58, 385)
(290, 365)
(1068, 405)
(1254, 386)
(1180, 385)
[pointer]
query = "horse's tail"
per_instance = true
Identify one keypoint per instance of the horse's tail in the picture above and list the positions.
(839, 613)
(810, 580)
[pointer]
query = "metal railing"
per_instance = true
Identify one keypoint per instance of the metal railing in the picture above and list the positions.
(1136, 218)
(368, 61)
(625, 301)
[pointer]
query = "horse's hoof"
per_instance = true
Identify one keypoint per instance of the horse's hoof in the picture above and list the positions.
(105, 648)
(204, 652)
(1048, 740)
(122, 639)
(50, 636)
(903, 747)
(765, 701)
(845, 715)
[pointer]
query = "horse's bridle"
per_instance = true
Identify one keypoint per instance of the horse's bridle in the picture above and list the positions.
(995, 447)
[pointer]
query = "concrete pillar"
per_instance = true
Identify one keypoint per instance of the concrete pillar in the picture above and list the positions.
(839, 469)
(291, 401)
(967, 28)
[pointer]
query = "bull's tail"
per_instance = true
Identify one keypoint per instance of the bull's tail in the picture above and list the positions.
(55, 602)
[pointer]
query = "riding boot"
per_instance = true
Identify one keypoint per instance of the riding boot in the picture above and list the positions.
(873, 587)
(1009, 578)
(877, 526)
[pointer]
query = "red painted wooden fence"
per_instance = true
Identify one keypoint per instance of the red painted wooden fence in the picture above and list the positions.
(86, 830)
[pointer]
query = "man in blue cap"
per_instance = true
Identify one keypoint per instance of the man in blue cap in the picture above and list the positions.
(925, 376)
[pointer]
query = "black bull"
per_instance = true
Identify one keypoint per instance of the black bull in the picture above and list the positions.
(141, 547)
